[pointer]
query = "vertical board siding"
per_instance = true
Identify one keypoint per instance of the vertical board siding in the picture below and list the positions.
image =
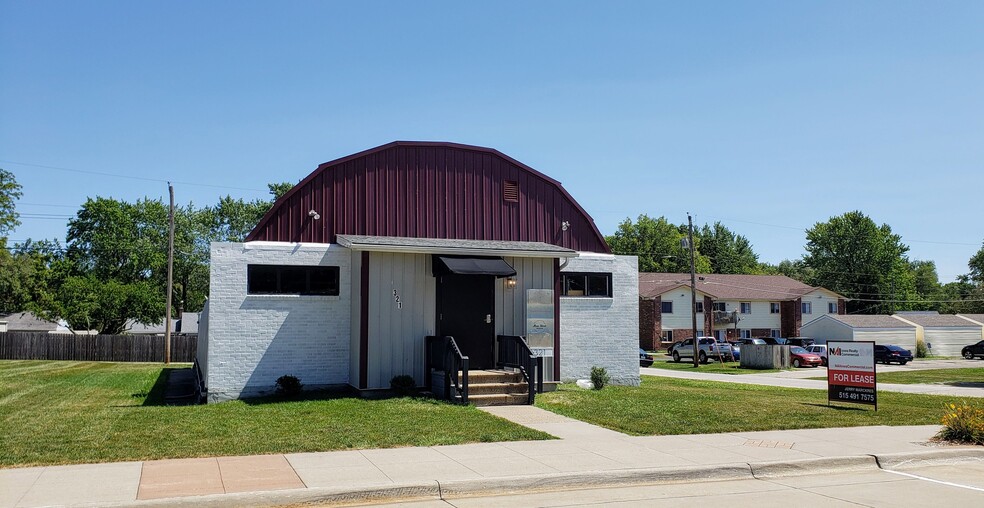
(429, 190)
(95, 348)
(397, 329)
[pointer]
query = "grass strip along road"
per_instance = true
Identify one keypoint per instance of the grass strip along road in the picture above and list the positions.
(80, 412)
(665, 406)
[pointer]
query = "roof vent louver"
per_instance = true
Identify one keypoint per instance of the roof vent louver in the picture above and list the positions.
(510, 191)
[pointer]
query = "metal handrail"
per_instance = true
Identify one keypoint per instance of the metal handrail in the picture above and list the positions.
(444, 355)
(512, 351)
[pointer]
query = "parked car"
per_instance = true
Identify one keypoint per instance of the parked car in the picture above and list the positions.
(775, 341)
(800, 341)
(751, 341)
(973, 350)
(735, 350)
(819, 350)
(892, 353)
(801, 357)
(645, 359)
(707, 347)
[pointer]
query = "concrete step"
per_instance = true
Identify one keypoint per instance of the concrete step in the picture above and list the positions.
(498, 399)
(493, 376)
(496, 388)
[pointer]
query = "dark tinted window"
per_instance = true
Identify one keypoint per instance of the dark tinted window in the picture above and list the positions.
(587, 284)
(291, 280)
(667, 307)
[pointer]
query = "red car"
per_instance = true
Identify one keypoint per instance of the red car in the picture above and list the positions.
(801, 357)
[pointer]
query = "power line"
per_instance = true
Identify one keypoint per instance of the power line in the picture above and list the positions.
(131, 177)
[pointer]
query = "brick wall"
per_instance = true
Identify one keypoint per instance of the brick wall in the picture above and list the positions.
(708, 316)
(841, 306)
(649, 329)
(791, 318)
(602, 332)
(254, 339)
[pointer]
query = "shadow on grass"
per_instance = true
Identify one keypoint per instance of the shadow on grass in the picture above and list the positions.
(838, 408)
(155, 397)
(339, 393)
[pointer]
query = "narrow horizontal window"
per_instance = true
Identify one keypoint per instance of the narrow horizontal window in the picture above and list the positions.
(292, 280)
(586, 284)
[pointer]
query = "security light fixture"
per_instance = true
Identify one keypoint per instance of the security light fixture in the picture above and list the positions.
(564, 226)
(511, 283)
(314, 215)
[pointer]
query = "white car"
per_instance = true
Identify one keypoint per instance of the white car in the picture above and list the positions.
(819, 350)
(708, 347)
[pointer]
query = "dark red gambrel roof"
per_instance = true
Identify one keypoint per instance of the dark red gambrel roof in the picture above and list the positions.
(430, 190)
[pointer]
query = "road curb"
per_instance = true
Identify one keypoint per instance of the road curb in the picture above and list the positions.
(941, 457)
(822, 465)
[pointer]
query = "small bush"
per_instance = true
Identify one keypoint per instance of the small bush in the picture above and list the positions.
(289, 386)
(403, 385)
(920, 348)
(599, 377)
(962, 424)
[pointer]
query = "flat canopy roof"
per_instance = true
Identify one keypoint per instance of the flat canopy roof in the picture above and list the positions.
(460, 247)
(472, 265)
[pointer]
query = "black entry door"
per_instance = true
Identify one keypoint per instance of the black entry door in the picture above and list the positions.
(466, 311)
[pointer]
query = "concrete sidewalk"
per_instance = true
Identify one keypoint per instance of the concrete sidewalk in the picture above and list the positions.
(794, 379)
(584, 456)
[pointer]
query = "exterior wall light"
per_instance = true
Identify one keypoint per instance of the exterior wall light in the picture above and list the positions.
(564, 226)
(511, 283)
(314, 215)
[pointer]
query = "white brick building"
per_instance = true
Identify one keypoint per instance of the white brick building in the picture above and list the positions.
(346, 276)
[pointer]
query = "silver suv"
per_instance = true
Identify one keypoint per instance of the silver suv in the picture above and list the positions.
(707, 347)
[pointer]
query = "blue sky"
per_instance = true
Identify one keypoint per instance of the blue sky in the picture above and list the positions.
(766, 116)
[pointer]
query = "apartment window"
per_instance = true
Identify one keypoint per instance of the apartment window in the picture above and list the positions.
(831, 307)
(587, 284)
(291, 280)
(746, 334)
(667, 335)
(774, 333)
(807, 307)
(746, 307)
(773, 307)
(718, 306)
(700, 307)
(667, 307)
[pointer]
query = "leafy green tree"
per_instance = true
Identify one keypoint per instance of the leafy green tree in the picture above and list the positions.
(853, 256)
(976, 265)
(726, 251)
(10, 192)
(658, 245)
(794, 269)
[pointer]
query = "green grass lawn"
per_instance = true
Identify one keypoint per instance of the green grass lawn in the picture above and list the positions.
(664, 406)
(80, 412)
(713, 366)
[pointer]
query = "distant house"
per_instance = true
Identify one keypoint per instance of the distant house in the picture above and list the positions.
(728, 306)
(187, 324)
(28, 322)
(881, 329)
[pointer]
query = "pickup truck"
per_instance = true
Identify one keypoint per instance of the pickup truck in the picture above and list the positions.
(707, 347)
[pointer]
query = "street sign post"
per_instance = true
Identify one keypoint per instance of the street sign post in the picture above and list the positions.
(851, 373)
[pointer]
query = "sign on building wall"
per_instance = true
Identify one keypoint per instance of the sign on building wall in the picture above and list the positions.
(540, 320)
(851, 373)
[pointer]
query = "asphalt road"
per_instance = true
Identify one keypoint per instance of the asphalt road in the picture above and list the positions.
(955, 485)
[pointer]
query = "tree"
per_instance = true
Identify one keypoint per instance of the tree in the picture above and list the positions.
(976, 265)
(794, 269)
(726, 251)
(10, 192)
(658, 245)
(862, 261)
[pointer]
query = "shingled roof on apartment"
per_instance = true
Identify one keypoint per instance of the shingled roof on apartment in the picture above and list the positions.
(726, 286)
(870, 321)
(934, 320)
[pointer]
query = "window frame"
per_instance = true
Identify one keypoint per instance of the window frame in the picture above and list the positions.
(719, 307)
(806, 307)
(564, 286)
(666, 335)
(663, 305)
(745, 307)
(699, 307)
(775, 308)
(254, 271)
(831, 307)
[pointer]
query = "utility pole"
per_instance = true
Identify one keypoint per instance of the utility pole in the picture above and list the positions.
(693, 286)
(170, 276)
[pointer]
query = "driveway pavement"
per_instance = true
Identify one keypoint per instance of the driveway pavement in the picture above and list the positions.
(796, 378)
(582, 457)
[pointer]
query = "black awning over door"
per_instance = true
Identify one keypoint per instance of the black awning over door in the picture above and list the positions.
(472, 265)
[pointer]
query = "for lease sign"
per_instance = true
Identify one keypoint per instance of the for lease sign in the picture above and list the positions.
(851, 372)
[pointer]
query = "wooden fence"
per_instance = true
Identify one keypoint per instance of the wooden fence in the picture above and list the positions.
(95, 348)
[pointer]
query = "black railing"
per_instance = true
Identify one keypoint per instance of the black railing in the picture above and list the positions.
(513, 352)
(444, 356)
